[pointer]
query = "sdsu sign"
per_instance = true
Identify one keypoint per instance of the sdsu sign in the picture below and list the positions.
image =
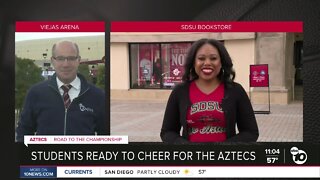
(259, 76)
(298, 156)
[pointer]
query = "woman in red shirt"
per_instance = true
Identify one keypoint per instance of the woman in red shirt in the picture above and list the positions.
(208, 105)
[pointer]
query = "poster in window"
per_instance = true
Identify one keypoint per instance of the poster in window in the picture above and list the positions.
(178, 53)
(147, 54)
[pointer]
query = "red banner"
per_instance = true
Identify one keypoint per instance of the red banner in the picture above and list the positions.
(259, 75)
(190, 26)
(60, 26)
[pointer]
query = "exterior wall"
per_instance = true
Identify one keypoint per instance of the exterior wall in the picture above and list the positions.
(270, 50)
(175, 37)
(119, 66)
(140, 94)
(242, 55)
(289, 67)
(91, 47)
(275, 49)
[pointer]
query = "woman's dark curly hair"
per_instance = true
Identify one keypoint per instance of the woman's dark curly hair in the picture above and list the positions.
(226, 74)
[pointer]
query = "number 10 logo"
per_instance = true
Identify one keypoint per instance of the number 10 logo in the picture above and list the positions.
(298, 156)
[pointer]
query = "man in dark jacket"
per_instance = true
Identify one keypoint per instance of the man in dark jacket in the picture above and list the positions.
(66, 104)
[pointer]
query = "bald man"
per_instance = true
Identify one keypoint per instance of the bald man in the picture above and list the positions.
(66, 104)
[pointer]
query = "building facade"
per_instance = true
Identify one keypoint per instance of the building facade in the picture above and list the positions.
(148, 65)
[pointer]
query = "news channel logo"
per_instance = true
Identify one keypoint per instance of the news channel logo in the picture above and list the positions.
(298, 156)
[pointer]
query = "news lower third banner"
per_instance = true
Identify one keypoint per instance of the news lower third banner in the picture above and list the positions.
(75, 140)
(173, 161)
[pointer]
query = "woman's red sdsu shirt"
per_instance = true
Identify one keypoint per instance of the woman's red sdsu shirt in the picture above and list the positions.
(205, 118)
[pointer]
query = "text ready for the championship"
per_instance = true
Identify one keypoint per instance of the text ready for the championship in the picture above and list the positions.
(143, 160)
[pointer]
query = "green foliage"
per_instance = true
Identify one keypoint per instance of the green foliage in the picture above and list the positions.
(101, 77)
(26, 75)
(83, 69)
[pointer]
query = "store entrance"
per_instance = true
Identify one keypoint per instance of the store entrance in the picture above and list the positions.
(298, 80)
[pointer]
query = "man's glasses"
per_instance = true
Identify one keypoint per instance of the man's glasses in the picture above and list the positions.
(68, 58)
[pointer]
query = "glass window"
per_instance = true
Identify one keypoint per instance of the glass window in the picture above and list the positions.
(173, 59)
(157, 65)
(142, 59)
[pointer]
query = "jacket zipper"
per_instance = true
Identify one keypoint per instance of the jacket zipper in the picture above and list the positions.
(65, 121)
(66, 109)
(66, 112)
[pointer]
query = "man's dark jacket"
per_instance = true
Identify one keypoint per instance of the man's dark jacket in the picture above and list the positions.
(44, 112)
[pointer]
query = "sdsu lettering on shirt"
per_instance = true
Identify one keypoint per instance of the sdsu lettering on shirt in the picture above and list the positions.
(205, 118)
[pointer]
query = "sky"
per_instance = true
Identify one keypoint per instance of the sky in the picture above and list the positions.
(22, 36)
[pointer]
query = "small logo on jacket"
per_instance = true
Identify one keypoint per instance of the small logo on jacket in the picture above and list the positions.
(83, 108)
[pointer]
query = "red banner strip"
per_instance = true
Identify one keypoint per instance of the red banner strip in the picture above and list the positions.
(261, 26)
(25, 26)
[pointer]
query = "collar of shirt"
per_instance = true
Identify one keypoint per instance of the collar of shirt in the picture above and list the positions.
(74, 91)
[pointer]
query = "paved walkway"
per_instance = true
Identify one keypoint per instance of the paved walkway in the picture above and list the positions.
(142, 120)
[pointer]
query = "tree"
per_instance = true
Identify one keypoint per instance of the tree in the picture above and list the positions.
(83, 69)
(26, 75)
(101, 77)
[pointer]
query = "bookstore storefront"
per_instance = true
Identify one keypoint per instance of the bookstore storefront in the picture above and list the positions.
(146, 66)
